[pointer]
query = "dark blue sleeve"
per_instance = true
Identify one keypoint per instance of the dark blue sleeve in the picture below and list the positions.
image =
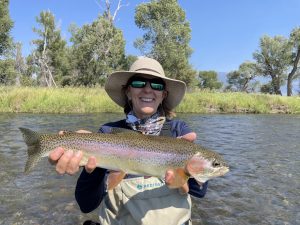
(90, 189)
(180, 128)
(195, 189)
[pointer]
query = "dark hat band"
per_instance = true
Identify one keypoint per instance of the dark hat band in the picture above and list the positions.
(147, 69)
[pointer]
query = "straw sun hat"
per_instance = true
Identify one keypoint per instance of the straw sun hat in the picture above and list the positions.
(143, 65)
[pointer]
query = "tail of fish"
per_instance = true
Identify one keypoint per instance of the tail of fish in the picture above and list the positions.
(32, 140)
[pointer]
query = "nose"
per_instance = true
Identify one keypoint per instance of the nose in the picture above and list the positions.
(147, 88)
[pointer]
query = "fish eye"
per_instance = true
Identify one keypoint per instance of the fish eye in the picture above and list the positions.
(216, 163)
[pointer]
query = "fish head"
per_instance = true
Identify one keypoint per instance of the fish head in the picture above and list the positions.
(204, 167)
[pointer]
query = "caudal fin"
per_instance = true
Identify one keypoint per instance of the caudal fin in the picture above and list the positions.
(32, 141)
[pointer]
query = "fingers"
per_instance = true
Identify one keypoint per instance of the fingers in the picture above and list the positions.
(73, 165)
(169, 177)
(192, 136)
(55, 155)
(62, 132)
(177, 179)
(91, 164)
(83, 131)
(63, 162)
(66, 161)
(184, 189)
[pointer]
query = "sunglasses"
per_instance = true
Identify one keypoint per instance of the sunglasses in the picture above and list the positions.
(140, 82)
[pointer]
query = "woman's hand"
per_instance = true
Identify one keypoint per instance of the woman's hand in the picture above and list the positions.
(178, 179)
(68, 161)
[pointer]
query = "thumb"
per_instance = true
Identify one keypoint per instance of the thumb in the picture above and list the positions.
(91, 165)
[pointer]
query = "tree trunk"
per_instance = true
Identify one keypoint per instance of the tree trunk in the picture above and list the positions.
(289, 85)
(276, 84)
(292, 74)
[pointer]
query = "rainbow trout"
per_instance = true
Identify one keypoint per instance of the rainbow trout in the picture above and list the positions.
(131, 152)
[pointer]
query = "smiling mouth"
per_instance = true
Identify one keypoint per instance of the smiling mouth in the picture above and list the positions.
(147, 99)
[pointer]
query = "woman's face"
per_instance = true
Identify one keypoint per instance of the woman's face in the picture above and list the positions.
(145, 101)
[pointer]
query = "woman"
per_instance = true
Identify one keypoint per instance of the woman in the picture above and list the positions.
(148, 97)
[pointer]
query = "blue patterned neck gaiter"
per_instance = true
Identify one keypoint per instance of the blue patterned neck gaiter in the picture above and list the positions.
(150, 126)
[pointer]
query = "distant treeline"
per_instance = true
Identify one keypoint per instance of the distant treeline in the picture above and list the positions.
(94, 100)
(97, 49)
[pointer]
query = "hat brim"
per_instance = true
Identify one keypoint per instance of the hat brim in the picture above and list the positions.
(115, 83)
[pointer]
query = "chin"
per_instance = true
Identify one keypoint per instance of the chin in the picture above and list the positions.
(148, 111)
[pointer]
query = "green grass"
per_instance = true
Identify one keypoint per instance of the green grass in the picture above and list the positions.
(91, 100)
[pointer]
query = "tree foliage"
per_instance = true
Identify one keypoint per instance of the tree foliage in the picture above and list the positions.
(6, 25)
(20, 64)
(167, 37)
(50, 53)
(209, 80)
(243, 79)
(98, 49)
(7, 72)
(295, 58)
(273, 59)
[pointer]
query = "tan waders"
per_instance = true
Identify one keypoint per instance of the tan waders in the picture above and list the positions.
(144, 201)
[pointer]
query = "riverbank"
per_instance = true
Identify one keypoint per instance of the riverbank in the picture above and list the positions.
(93, 100)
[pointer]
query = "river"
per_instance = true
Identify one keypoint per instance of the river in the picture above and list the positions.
(262, 187)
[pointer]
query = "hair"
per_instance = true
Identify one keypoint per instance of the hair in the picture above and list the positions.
(162, 108)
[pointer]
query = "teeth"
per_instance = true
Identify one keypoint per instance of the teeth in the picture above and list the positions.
(147, 99)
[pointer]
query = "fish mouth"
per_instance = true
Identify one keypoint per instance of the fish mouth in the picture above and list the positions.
(223, 170)
(220, 172)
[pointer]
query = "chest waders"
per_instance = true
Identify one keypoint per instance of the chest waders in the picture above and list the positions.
(145, 201)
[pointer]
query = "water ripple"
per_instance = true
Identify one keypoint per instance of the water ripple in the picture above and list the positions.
(262, 186)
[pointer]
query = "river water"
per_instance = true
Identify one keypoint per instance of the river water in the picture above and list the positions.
(263, 186)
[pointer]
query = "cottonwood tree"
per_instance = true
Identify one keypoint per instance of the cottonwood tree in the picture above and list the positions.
(279, 58)
(295, 57)
(98, 48)
(209, 79)
(273, 60)
(50, 53)
(167, 37)
(243, 79)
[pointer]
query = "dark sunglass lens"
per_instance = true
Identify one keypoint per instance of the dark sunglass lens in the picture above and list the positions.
(138, 84)
(158, 87)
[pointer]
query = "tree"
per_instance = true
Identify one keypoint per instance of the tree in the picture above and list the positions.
(273, 59)
(7, 72)
(167, 37)
(98, 49)
(295, 57)
(50, 53)
(267, 88)
(243, 78)
(209, 79)
(6, 25)
(20, 65)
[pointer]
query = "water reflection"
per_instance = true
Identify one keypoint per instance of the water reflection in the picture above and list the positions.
(261, 188)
